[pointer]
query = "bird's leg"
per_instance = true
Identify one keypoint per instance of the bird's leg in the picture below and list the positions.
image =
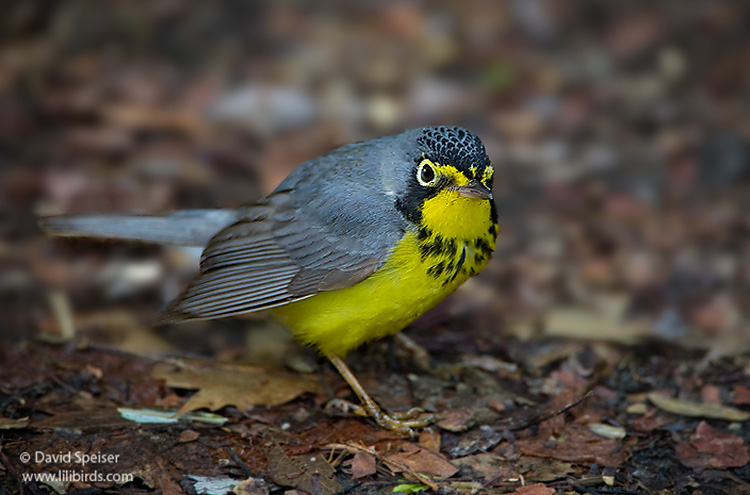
(371, 408)
(419, 353)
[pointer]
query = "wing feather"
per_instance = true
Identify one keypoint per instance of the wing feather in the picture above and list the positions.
(288, 247)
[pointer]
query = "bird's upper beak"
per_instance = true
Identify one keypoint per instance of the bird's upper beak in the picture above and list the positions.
(474, 189)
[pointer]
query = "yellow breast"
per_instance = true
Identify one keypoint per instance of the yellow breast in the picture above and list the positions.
(424, 267)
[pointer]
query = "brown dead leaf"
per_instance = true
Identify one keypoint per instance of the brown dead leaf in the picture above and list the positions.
(363, 464)
(415, 459)
(697, 409)
(535, 489)
(168, 486)
(456, 420)
(189, 436)
(309, 474)
(576, 443)
(710, 448)
(543, 469)
(429, 438)
(486, 466)
(240, 386)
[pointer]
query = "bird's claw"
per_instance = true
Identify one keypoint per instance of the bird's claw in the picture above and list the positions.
(402, 423)
(346, 406)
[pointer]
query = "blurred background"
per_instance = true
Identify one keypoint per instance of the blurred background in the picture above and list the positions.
(618, 130)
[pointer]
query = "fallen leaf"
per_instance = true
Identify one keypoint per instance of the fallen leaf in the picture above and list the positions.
(240, 386)
(189, 436)
(543, 469)
(168, 486)
(535, 489)
(363, 464)
(486, 466)
(456, 420)
(429, 438)
(576, 443)
(415, 459)
(710, 448)
(697, 409)
(308, 474)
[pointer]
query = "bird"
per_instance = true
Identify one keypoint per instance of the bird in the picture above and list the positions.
(351, 247)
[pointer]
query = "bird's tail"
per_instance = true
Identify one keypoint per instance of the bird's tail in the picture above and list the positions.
(183, 228)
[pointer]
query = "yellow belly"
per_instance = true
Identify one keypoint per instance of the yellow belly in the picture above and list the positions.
(404, 288)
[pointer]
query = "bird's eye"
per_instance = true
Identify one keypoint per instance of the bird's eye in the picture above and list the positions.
(426, 173)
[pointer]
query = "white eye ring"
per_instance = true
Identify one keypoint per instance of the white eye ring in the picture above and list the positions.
(426, 175)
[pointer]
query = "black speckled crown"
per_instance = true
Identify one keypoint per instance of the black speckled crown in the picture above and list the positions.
(454, 146)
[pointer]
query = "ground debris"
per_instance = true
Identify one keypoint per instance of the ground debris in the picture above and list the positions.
(363, 464)
(534, 489)
(205, 485)
(709, 448)
(309, 474)
(251, 486)
(697, 409)
(241, 386)
(413, 459)
(622, 162)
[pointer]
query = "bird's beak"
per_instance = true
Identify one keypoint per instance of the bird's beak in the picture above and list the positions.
(474, 189)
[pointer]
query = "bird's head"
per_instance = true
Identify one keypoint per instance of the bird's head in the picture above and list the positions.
(449, 185)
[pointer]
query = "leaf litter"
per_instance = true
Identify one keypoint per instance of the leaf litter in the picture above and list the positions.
(220, 385)
(621, 269)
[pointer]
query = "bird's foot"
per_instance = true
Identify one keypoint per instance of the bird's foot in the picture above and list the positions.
(368, 407)
(402, 423)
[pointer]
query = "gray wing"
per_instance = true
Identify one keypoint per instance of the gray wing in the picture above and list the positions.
(301, 240)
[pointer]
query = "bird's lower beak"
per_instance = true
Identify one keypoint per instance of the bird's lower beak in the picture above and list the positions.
(474, 189)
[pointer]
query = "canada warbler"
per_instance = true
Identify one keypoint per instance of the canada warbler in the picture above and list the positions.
(351, 247)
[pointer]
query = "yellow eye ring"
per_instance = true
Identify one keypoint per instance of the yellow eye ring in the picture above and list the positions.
(426, 174)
